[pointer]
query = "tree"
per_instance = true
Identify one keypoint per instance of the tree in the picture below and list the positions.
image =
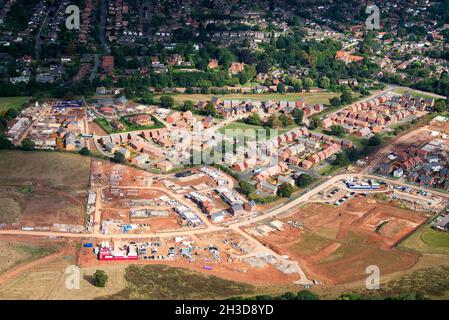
(5, 143)
(325, 82)
(374, 141)
(84, 152)
(308, 83)
(210, 109)
(298, 115)
(263, 66)
(285, 120)
(246, 188)
(338, 131)
(281, 88)
(147, 98)
(28, 144)
(11, 113)
(341, 159)
(314, 123)
(119, 157)
(188, 106)
(254, 119)
(304, 180)
(335, 102)
(167, 102)
(285, 190)
(100, 278)
(273, 121)
(346, 96)
(440, 106)
(306, 295)
(288, 296)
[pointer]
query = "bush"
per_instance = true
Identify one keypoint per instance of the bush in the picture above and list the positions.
(304, 180)
(28, 144)
(5, 143)
(119, 157)
(100, 278)
(167, 102)
(246, 188)
(84, 152)
(285, 190)
(306, 295)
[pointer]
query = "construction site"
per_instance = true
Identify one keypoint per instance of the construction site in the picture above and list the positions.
(337, 245)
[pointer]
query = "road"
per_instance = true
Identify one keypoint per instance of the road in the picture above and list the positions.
(102, 26)
(37, 46)
(236, 227)
(94, 71)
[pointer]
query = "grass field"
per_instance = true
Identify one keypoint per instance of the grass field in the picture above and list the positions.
(15, 253)
(427, 240)
(237, 125)
(168, 283)
(12, 102)
(310, 98)
(311, 244)
(106, 125)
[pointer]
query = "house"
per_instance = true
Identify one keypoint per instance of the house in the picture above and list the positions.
(217, 217)
(164, 166)
(398, 173)
(142, 120)
(69, 141)
(267, 187)
(347, 58)
(174, 117)
(207, 122)
(250, 206)
(213, 64)
(237, 210)
(236, 68)
(363, 132)
(140, 159)
(108, 64)
(287, 180)
(125, 152)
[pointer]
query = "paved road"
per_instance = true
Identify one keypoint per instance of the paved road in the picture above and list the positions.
(37, 46)
(94, 71)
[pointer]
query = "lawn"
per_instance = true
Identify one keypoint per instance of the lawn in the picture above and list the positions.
(238, 125)
(12, 102)
(106, 125)
(427, 240)
(310, 98)
(328, 169)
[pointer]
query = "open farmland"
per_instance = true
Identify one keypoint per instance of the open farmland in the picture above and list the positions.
(46, 187)
(336, 245)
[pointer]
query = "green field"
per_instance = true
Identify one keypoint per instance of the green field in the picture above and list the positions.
(311, 244)
(12, 102)
(158, 282)
(106, 125)
(427, 240)
(310, 98)
(238, 125)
